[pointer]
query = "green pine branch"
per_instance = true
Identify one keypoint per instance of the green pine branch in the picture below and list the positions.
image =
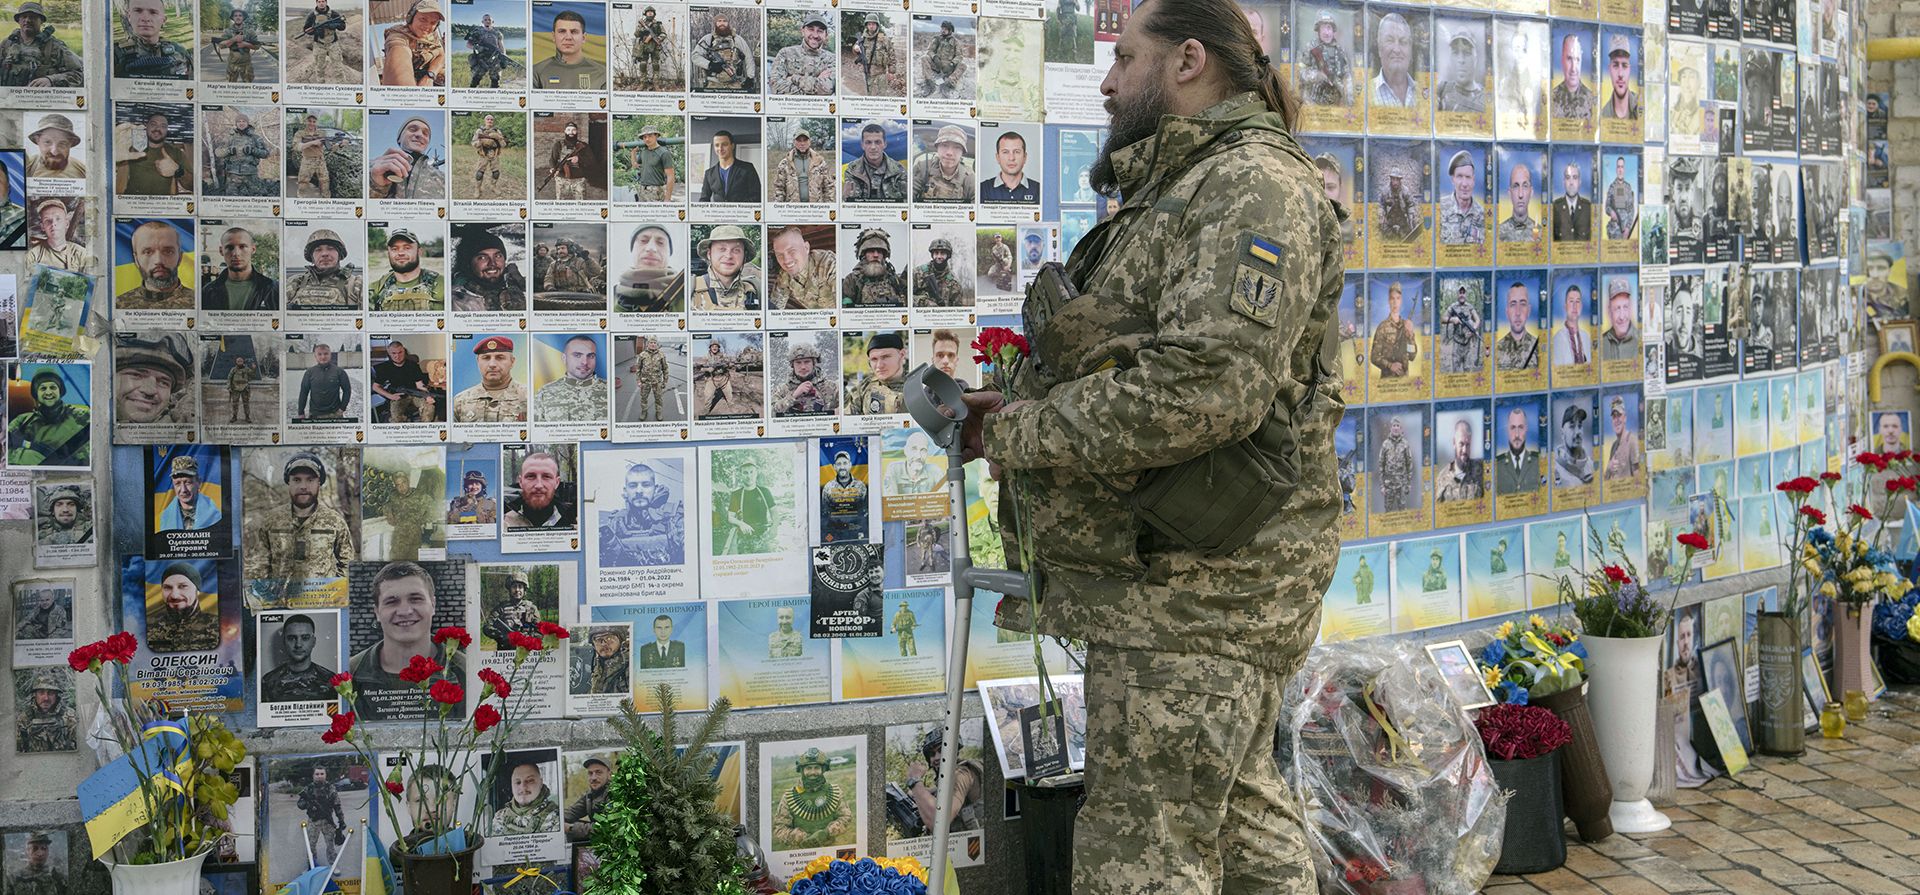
(684, 844)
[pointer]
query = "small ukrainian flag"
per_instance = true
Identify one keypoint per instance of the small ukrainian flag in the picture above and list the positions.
(1263, 250)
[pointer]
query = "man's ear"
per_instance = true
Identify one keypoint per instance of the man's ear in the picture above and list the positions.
(1191, 61)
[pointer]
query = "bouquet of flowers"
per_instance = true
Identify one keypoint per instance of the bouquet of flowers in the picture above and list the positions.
(185, 784)
(1839, 562)
(1540, 659)
(448, 758)
(827, 875)
(1613, 602)
(1518, 732)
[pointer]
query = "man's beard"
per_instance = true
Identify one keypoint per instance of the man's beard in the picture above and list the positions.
(873, 269)
(162, 280)
(1130, 121)
(407, 267)
(813, 784)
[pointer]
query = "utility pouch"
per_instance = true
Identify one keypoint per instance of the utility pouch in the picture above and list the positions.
(1217, 502)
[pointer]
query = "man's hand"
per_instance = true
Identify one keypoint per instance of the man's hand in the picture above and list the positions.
(979, 404)
(166, 166)
(391, 167)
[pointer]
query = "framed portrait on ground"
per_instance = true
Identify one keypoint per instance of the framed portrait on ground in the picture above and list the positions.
(1461, 673)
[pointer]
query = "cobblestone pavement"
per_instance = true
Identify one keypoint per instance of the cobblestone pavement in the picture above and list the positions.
(1841, 819)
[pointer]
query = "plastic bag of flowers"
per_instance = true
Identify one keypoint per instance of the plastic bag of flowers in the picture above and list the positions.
(1392, 779)
(827, 875)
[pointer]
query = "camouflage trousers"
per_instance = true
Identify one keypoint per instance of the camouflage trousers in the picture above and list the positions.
(314, 180)
(651, 193)
(327, 55)
(240, 72)
(488, 162)
(1183, 794)
(653, 400)
(570, 189)
(238, 406)
(320, 835)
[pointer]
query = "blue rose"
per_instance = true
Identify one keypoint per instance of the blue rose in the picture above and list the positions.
(1494, 654)
(1512, 693)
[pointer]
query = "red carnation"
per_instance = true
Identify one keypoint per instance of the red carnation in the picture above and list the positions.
(525, 641)
(1617, 575)
(120, 648)
(553, 630)
(1693, 539)
(1869, 458)
(82, 657)
(418, 669)
(1902, 456)
(497, 681)
(451, 632)
(484, 718)
(992, 340)
(393, 786)
(1859, 511)
(1829, 477)
(342, 679)
(342, 723)
(1818, 517)
(1898, 484)
(447, 692)
(1802, 485)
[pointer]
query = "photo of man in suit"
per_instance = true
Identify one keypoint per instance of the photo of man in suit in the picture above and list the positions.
(663, 651)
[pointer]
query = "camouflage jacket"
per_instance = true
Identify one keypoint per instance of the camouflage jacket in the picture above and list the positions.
(930, 184)
(543, 816)
(570, 400)
(810, 287)
(798, 71)
(1213, 202)
(49, 731)
(785, 186)
(171, 631)
(863, 183)
(47, 57)
(283, 548)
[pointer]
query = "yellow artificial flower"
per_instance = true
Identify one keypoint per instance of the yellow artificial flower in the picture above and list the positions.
(1504, 631)
(1537, 622)
(1828, 590)
(1843, 542)
(1813, 568)
(1490, 675)
(1913, 626)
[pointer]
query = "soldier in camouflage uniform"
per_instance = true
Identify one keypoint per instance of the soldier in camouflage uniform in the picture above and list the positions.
(38, 877)
(579, 815)
(569, 270)
(53, 433)
(816, 812)
(239, 380)
(47, 619)
(806, 68)
(608, 670)
(483, 278)
(299, 679)
(45, 723)
(407, 286)
(874, 176)
(405, 171)
(1000, 265)
(239, 40)
(580, 396)
(649, 368)
(239, 158)
(649, 47)
(882, 388)
(934, 283)
(410, 513)
(1460, 92)
(53, 248)
(1623, 207)
(1395, 344)
(298, 540)
(875, 283)
(311, 144)
(1521, 225)
(731, 282)
(805, 390)
(326, 284)
(488, 140)
(722, 60)
(62, 525)
(151, 383)
(1399, 221)
(32, 57)
(326, 823)
(1327, 77)
(322, 28)
(872, 51)
(157, 255)
(904, 621)
(1463, 478)
(1363, 583)
(1463, 220)
(1396, 469)
(514, 614)
(803, 276)
(496, 398)
(1182, 704)
(144, 54)
(1435, 576)
(802, 175)
(566, 165)
(473, 506)
(1462, 345)
(485, 56)
(416, 55)
(653, 169)
(944, 175)
(943, 63)
(785, 642)
(1572, 98)
(179, 625)
(532, 809)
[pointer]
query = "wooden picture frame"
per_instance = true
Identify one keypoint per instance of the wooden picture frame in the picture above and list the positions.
(1900, 335)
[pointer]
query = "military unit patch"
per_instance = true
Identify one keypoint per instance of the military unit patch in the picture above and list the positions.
(1256, 286)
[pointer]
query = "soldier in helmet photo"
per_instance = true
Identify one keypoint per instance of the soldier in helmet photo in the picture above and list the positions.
(805, 67)
(141, 50)
(328, 281)
(153, 378)
(33, 56)
(508, 610)
(1326, 69)
(65, 518)
(731, 281)
(944, 48)
(921, 784)
(868, 54)
(44, 722)
(873, 282)
(943, 172)
(301, 537)
(602, 665)
(488, 56)
(57, 431)
(653, 65)
(473, 506)
(414, 50)
(729, 377)
(233, 43)
(935, 284)
(810, 810)
(323, 43)
(157, 250)
(810, 386)
(803, 275)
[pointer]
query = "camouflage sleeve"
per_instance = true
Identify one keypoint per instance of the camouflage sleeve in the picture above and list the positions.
(1218, 361)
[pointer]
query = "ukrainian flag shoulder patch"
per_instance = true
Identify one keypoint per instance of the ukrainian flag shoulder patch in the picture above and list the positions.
(1263, 250)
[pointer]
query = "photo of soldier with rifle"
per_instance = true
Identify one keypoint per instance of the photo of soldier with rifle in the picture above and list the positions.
(496, 46)
(871, 54)
(324, 42)
(232, 41)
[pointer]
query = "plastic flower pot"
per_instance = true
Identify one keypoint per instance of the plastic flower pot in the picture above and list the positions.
(1534, 841)
(1624, 675)
(171, 878)
(1584, 787)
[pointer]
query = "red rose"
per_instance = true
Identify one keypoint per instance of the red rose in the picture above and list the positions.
(1693, 539)
(553, 630)
(418, 669)
(1859, 510)
(393, 786)
(484, 718)
(342, 679)
(497, 681)
(1818, 517)
(525, 641)
(447, 692)
(450, 632)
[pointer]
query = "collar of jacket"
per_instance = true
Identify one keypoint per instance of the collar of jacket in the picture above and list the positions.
(1180, 140)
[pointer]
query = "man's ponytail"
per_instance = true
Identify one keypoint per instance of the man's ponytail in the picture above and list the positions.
(1222, 27)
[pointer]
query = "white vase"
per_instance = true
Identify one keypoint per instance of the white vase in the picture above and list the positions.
(171, 878)
(1624, 694)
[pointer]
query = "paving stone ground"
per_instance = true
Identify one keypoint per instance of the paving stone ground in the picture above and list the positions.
(1843, 818)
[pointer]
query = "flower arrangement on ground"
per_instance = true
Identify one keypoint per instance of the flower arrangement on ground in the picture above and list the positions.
(431, 776)
(658, 832)
(1839, 561)
(183, 763)
(828, 875)
(1512, 732)
(1524, 663)
(1612, 601)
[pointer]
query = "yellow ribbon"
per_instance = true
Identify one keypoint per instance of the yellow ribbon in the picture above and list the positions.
(1395, 742)
(520, 873)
